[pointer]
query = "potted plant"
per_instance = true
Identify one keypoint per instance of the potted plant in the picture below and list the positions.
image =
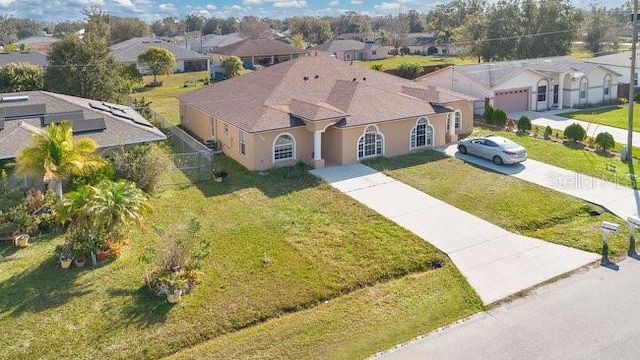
(22, 240)
(81, 251)
(172, 285)
(65, 261)
(218, 175)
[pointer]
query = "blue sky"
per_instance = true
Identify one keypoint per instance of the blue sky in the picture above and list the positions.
(149, 10)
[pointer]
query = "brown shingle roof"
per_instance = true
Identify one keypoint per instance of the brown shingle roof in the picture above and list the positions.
(258, 47)
(314, 88)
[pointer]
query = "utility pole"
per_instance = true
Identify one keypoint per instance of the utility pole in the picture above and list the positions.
(632, 78)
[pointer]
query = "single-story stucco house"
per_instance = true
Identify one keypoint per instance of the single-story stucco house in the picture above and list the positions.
(349, 50)
(620, 63)
(322, 111)
(530, 84)
(24, 113)
(127, 52)
(261, 51)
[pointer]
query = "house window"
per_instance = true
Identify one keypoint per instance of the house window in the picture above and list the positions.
(373, 52)
(542, 93)
(583, 89)
(213, 127)
(635, 79)
(607, 85)
(226, 128)
(243, 144)
(421, 134)
(370, 143)
(457, 120)
(284, 148)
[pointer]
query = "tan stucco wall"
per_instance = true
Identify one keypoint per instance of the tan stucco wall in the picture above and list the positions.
(262, 148)
(198, 122)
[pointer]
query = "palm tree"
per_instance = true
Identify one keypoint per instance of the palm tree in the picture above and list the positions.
(55, 156)
(444, 37)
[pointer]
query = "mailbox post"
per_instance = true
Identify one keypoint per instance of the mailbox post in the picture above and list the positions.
(633, 222)
(607, 229)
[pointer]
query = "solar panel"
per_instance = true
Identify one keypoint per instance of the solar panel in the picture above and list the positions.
(132, 119)
(114, 108)
(99, 107)
(87, 125)
(1, 123)
(24, 110)
(62, 116)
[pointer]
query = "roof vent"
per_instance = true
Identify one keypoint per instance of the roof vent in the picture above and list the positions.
(354, 79)
(305, 78)
(15, 98)
(317, 76)
(364, 79)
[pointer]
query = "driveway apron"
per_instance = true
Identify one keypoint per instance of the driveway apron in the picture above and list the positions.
(496, 262)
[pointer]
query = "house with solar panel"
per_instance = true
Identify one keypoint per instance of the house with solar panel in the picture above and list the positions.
(23, 114)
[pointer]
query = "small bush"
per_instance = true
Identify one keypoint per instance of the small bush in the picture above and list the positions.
(524, 123)
(488, 114)
(623, 101)
(377, 67)
(410, 70)
(93, 176)
(636, 97)
(34, 214)
(547, 132)
(499, 117)
(604, 141)
(575, 132)
(142, 165)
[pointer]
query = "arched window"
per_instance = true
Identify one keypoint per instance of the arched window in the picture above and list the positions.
(284, 148)
(457, 120)
(584, 85)
(421, 134)
(606, 90)
(370, 143)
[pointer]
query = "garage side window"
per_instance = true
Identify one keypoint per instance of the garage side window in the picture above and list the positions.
(284, 148)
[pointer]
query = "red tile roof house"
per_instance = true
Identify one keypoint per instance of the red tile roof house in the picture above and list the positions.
(321, 112)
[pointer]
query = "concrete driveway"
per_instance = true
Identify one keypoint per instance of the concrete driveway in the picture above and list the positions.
(549, 118)
(620, 200)
(590, 315)
(496, 262)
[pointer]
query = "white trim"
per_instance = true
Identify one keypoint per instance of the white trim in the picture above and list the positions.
(242, 142)
(273, 148)
(362, 138)
(414, 128)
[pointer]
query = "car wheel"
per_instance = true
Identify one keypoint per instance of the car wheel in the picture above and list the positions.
(497, 160)
(462, 149)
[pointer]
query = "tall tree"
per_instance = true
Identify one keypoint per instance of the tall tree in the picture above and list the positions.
(503, 31)
(352, 22)
(68, 27)
(471, 34)
(254, 27)
(55, 156)
(444, 38)
(158, 60)
(600, 30)
(298, 40)
(399, 32)
(21, 77)
(232, 66)
(416, 22)
(127, 28)
(194, 22)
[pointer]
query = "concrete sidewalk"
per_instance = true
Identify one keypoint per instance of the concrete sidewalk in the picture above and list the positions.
(496, 263)
(544, 119)
(620, 200)
(590, 315)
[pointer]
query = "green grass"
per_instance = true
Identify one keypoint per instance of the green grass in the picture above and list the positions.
(395, 61)
(508, 202)
(355, 325)
(322, 246)
(163, 97)
(616, 116)
(579, 160)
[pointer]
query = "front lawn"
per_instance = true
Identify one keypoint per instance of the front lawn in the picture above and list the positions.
(282, 243)
(606, 167)
(616, 116)
(508, 202)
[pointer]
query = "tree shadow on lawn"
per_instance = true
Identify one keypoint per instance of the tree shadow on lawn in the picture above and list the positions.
(39, 289)
(273, 183)
(145, 308)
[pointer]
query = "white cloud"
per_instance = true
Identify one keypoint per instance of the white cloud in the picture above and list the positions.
(211, 7)
(290, 4)
(167, 7)
(385, 6)
(252, 2)
(334, 3)
(356, 2)
(5, 3)
(127, 4)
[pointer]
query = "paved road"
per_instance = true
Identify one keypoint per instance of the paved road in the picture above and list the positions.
(590, 315)
(544, 119)
(496, 263)
(620, 200)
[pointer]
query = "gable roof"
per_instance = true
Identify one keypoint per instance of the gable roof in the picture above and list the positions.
(492, 74)
(342, 45)
(120, 125)
(30, 57)
(258, 47)
(128, 51)
(621, 59)
(317, 88)
(213, 40)
(420, 39)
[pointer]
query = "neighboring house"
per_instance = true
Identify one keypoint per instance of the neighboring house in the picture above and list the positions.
(620, 63)
(40, 42)
(208, 43)
(530, 84)
(36, 58)
(322, 111)
(23, 114)
(349, 50)
(421, 42)
(127, 52)
(261, 51)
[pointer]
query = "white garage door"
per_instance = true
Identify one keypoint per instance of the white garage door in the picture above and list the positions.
(512, 100)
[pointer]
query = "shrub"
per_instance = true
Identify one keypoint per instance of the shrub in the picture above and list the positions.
(511, 124)
(604, 141)
(547, 132)
(378, 67)
(93, 176)
(636, 97)
(488, 114)
(524, 123)
(575, 132)
(34, 214)
(142, 165)
(499, 118)
(623, 101)
(409, 70)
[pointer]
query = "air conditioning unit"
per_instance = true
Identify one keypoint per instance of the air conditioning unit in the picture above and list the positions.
(211, 144)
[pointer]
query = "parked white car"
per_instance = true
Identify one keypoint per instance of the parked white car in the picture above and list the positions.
(495, 148)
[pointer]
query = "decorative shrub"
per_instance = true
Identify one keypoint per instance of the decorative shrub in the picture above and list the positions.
(488, 114)
(35, 214)
(524, 123)
(636, 97)
(605, 141)
(93, 176)
(499, 117)
(378, 67)
(410, 70)
(142, 165)
(623, 101)
(575, 132)
(547, 132)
